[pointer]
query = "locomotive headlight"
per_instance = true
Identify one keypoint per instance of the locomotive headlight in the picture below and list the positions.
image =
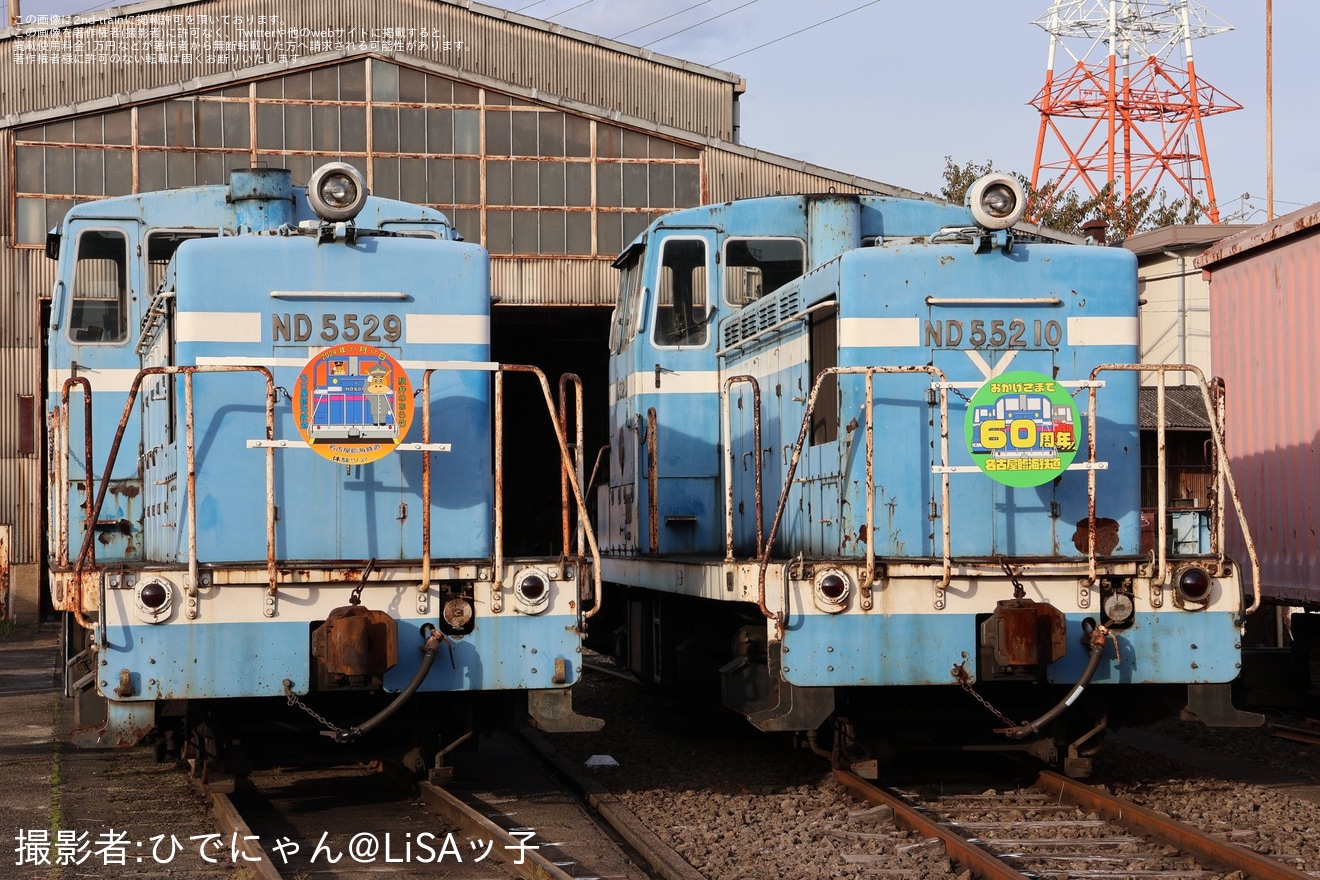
(997, 201)
(1194, 585)
(531, 591)
(154, 597)
(337, 191)
(832, 588)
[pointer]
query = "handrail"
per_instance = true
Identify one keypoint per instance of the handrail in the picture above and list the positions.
(728, 458)
(1226, 474)
(1221, 512)
(566, 462)
(595, 467)
(869, 372)
(60, 484)
(497, 571)
(86, 553)
(87, 456)
(652, 482)
(564, 381)
(993, 300)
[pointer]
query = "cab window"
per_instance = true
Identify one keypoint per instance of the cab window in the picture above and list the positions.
(626, 304)
(161, 245)
(682, 301)
(99, 298)
(754, 267)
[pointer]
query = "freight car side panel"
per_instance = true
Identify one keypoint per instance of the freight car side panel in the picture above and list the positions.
(1264, 308)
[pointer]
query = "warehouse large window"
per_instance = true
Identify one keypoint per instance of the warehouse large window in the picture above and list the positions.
(520, 177)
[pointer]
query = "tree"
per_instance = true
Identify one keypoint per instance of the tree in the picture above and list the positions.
(1066, 212)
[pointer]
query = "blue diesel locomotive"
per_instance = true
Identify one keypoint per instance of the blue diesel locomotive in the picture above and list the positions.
(876, 461)
(275, 470)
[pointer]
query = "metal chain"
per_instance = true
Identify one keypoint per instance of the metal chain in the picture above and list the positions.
(967, 686)
(1019, 592)
(960, 673)
(356, 597)
(297, 703)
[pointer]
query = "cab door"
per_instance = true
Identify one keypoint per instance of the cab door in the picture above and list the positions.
(95, 314)
(617, 502)
(675, 389)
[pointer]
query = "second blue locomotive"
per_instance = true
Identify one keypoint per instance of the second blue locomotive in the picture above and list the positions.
(877, 461)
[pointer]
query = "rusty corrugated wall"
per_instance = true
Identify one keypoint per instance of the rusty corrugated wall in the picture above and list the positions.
(497, 44)
(531, 281)
(1264, 308)
(25, 276)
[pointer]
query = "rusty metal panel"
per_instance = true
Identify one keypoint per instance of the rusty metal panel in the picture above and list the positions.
(25, 277)
(547, 281)
(30, 276)
(21, 475)
(6, 609)
(522, 51)
(1264, 307)
(6, 183)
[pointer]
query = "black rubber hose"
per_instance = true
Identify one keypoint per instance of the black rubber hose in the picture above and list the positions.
(1097, 640)
(429, 651)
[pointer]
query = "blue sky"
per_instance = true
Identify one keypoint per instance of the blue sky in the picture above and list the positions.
(890, 89)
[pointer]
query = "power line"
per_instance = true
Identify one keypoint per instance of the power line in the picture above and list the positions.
(96, 7)
(643, 27)
(700, 23)
(529, 5)
(569, 9)
(794, 34)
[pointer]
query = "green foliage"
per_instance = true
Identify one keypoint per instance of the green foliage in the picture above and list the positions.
(1067, 212)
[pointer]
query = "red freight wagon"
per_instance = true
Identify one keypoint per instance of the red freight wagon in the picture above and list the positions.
(1264, 311)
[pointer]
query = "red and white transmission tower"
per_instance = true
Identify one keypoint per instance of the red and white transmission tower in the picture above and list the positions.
(1142, 100)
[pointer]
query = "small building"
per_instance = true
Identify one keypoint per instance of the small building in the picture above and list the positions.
(1175, 329)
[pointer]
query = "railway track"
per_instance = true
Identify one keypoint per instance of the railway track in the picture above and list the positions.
(1057, 827)
(1043, 826)
(503, 815)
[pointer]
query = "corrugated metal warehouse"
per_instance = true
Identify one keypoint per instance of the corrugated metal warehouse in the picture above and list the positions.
(551, 147)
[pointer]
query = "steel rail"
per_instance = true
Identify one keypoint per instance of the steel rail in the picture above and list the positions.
(473, 823)
(962, 851)
(1140, 820)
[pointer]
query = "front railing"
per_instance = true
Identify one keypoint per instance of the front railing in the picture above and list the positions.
(941, 386)
(85, 562)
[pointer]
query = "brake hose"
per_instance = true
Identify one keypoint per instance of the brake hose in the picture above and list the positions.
(429, 651)
(1097, 639)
